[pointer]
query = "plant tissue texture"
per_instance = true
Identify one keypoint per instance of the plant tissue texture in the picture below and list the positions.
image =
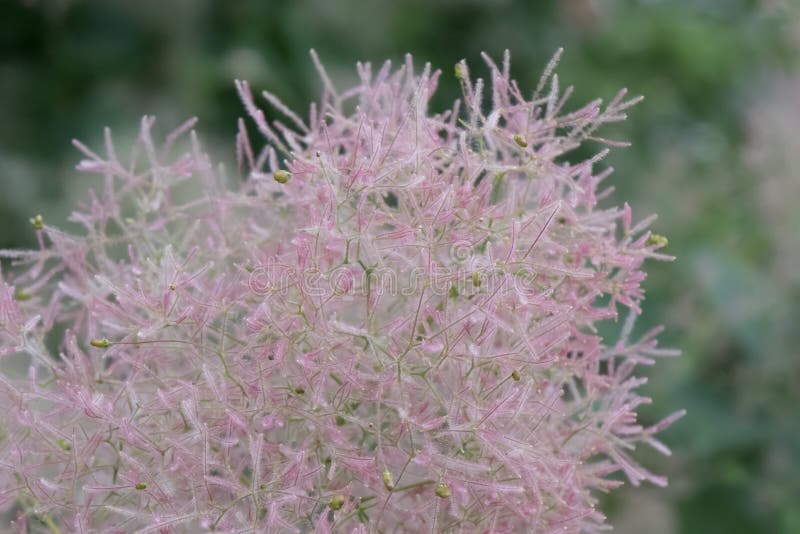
(387, 323)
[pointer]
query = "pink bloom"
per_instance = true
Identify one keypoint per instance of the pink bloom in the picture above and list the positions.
(389, 325)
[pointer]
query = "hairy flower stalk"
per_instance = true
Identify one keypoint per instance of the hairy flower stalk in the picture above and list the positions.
(388, 325)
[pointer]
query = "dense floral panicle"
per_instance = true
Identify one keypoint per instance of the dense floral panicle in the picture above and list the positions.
(390, 325)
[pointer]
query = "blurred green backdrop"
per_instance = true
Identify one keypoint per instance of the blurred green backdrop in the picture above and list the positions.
(716, 153)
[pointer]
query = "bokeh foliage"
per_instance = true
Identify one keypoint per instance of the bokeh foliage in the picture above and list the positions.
(69, 68)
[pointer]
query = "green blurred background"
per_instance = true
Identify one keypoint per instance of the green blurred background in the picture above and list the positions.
(716, 152)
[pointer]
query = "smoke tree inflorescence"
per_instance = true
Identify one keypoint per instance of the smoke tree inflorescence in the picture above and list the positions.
(386, 323)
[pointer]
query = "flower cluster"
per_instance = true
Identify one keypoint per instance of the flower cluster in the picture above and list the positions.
(386, 324)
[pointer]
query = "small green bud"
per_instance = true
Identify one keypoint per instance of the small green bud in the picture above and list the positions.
(340, 421)
(282, 176)
(300, 390)
(140, 486)
(336, 502)
(520, 140)
(453, 292)
(22, 295)
(100, 343)
(476, 279)
(37, 222)
(388, 480)
(459, 72)
(657, 240)
(515, 375)
(442, 491)
(63, 444)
